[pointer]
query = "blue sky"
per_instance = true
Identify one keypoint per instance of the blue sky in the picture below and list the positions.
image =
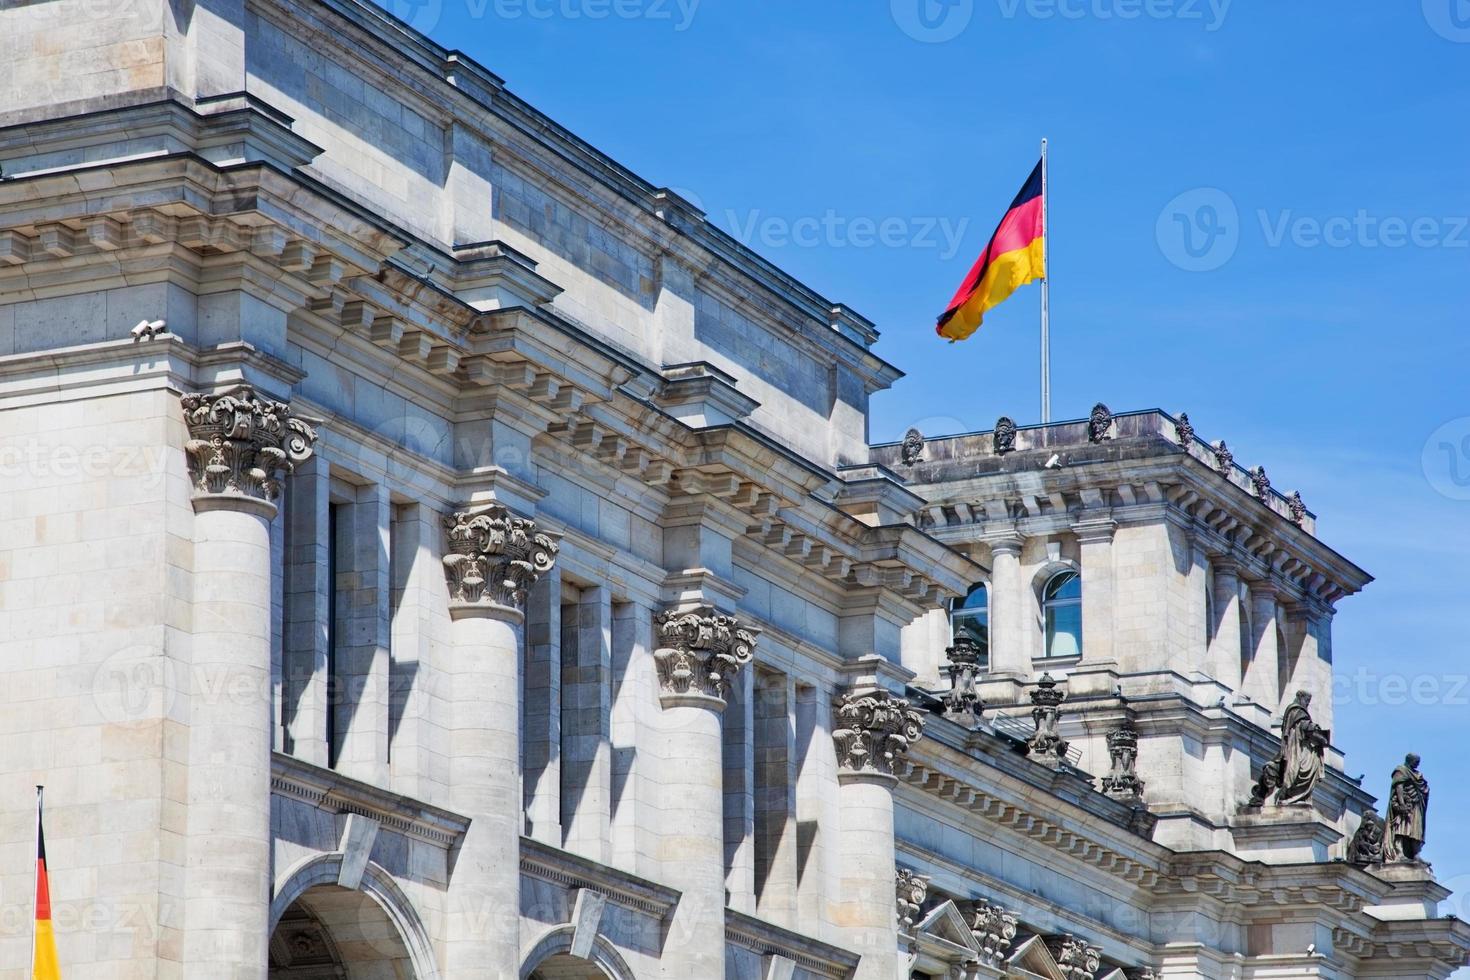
(1316, 154)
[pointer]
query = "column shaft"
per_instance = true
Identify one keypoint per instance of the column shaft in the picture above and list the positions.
(229, 748)
(691, 849)
(1225, 638)
(865, 898)
(1262, 681)
(1009, 653)
(1095, 541)
(485, 785)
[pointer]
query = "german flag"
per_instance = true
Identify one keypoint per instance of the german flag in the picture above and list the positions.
(1015, 256)
(43, 956)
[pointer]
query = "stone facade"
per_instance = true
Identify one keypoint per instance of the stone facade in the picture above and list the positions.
(428, 550)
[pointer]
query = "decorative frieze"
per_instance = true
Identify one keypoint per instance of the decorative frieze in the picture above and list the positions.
(1047, 746)
(1004, 439)
(240, 445)
(1099, 424)
(994, 930)
(874, 731)
(962, 702)
(700, 651)
(1122, 782)
(492, 558)
(910, 890)
(1076, 959)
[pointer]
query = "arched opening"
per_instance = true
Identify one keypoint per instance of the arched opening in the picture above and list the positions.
(335, 933)
(564, 966)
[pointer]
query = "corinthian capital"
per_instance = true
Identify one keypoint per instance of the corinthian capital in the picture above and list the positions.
(492, 559)
(994, 928)
(1077, 959)
(699, 653)
(241, 444)
(875, 730)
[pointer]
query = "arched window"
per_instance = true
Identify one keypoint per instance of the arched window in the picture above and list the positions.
(1061, 603)
(971, 616)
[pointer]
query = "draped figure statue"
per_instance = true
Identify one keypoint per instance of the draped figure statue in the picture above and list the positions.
(1303, 751)
(1291, 777)
(1408, 805)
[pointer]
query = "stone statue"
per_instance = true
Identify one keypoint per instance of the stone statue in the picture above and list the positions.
(1004, 437)
(912, 450)
(1122, 782)
(1099, 423)
(1224, 458)
(1184, 430)
(963, 703)
(1047, 746)
(1299, 766)
(1297, 506)
(1261, 482)
(1366, 847)
(1408, 805)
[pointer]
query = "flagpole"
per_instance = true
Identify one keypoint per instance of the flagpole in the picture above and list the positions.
(1045, 291)
(35, 877)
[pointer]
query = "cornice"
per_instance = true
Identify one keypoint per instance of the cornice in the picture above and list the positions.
(333, 792)
(763, 938)
(568, 870)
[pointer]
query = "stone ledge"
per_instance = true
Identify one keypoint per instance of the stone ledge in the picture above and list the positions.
(332, 792)
(759, 936)
(568, 870)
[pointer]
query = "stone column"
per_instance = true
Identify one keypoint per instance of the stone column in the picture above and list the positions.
(1010, 655)
(491, 559)
(1095, 541)
(239, 447)
(1225, 639)
(873, 732)
(1262, 681)
(699, 653)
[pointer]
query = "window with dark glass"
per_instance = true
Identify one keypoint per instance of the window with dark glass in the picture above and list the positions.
(970, 616)
(1062, 608)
